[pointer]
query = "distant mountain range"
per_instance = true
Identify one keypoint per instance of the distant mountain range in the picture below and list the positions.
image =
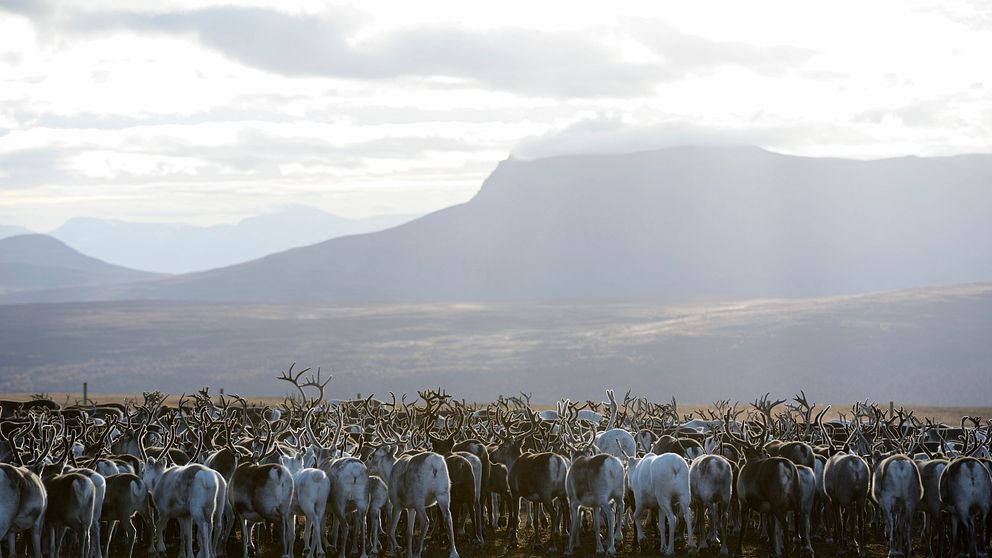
(11, 230)
(734, 222)
(36, 262)
(181, 248)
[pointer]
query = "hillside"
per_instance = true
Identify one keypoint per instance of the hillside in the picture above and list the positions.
(683, 222)
(36, 262)
(916, 346)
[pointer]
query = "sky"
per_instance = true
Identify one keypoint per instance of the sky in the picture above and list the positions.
(205, 112)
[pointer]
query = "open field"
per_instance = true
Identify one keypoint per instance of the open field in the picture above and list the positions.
(925, 346)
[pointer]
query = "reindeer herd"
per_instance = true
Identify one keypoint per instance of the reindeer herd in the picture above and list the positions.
(346, 470)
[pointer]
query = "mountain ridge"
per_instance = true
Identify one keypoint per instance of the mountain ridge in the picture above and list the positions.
(690, 221)
(33, 262)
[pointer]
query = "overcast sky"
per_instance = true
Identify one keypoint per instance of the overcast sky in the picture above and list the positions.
(203, 112)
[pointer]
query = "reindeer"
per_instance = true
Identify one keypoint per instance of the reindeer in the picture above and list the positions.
(466, 482)
(537, 477)
(416, 483)
(23, 499)
(966, 492)
(930, 473)
(347, 477)
(188, 493)
(71, 505)
(769, 485)
(349, 480)
(465, 472)
(311, 489)
(661, 482)
(378, 499)
(711, 480)
(126, 496)
(593, 482)
(612, 440)
(263, 493)
(897, 490)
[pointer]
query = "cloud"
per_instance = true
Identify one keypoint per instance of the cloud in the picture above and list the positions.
(610, 133)
(28, 168)
(942, 112)
(684, 53)
(613, 133)
(570, 64)
(334, 43)
(221, 152)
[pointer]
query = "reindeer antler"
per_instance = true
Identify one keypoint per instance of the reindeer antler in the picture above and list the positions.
(765, 406)
(313, 380)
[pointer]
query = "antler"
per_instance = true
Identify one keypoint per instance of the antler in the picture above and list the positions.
(765, 406)
(313, 380)
(804, 409)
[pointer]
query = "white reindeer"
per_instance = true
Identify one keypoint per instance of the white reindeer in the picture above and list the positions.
(897, 489)
(23, 501)
(616, 442)
(845, 484)
(711, 480)
(311, 488)
(187, 493)
(966, 492)
(661, 482)
(418, 482)
(349, 480)
(593, 482)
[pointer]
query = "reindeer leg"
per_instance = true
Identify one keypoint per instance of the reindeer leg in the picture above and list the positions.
(573, 532)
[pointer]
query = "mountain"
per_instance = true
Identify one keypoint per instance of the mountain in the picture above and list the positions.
(683, 222)
(35, 262)
(12, 230)
(181, 248)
